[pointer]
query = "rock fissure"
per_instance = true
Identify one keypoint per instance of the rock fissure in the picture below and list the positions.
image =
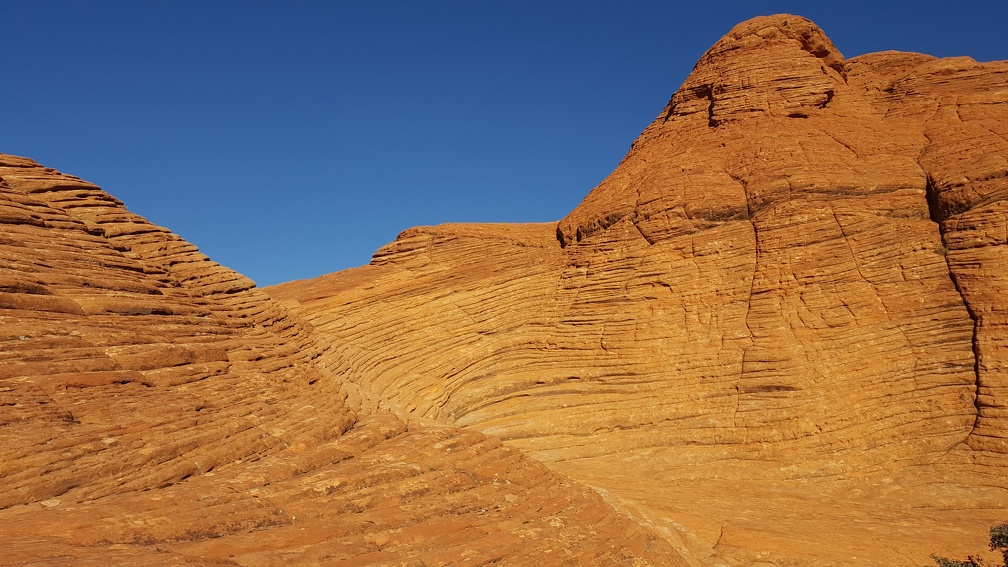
(708, 92)
(724, 409)
(752, 287)
(635, 219)
(636, 225)
(939, 216)
(671, 106)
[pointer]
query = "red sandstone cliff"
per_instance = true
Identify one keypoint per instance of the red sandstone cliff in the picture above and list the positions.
(777, 334)
(156, 408)
(780, 322)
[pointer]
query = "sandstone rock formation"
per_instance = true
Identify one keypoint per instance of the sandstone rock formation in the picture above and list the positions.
(777, 334)
(156, 408)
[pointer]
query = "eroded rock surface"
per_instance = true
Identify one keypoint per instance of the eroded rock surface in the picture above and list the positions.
(775, 334)
(156, 408)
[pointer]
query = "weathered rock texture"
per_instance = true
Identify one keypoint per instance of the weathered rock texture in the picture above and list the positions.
(156, 408)
(776, 334)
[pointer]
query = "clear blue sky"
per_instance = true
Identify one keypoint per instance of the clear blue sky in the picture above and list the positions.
(292, 139)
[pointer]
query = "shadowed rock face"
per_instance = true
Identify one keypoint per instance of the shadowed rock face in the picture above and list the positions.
(777, 334)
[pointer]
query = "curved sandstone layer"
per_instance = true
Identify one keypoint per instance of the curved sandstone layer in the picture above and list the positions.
(780, 322)
(156, 408)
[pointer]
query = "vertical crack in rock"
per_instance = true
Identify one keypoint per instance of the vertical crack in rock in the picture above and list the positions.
(938, 215)
(671, 106)
(830, 93)
(646, 238)
(708, 91)
(752, 286)
(752, 341)
(635, 217)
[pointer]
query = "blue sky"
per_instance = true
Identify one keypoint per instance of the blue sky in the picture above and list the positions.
(288, 140)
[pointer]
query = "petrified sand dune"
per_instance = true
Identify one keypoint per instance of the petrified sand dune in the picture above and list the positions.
(776, 334)
(780, 322)
(156, 408)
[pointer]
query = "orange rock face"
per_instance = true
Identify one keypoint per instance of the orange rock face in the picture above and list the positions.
(777, 334)
(156, 408)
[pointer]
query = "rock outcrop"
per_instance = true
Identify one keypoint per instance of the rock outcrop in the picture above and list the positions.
(156, 408)
(776, 333)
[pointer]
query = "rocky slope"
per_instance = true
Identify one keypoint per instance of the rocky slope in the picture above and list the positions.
(156, 408)
(777, 333)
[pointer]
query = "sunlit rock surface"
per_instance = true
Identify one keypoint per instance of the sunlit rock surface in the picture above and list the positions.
(776, 334)
(158, 409)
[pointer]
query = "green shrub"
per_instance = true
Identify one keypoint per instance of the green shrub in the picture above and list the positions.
(998, 542)
(946, 562)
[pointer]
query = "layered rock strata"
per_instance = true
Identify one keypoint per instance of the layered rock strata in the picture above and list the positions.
(790, 293)
(157, 408)
(775, 335)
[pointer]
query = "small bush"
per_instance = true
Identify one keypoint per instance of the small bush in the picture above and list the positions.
(946, 562)
(998, 542)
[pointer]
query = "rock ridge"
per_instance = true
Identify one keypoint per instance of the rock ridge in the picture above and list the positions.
(157, 408)
(788, 292)
(776, 334)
